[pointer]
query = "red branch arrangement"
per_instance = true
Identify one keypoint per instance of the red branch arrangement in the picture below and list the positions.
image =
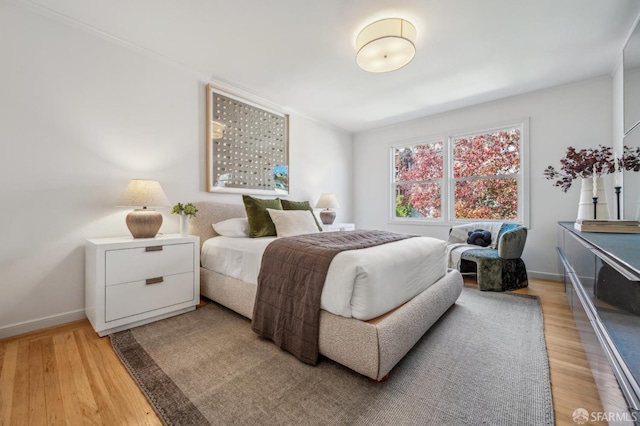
(577, 164)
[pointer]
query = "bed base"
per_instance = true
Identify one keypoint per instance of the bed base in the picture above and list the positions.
(372, 348)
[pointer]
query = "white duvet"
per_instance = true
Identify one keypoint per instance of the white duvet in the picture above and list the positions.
(362, 284)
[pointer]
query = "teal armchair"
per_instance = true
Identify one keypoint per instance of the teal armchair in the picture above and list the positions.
(500, 268)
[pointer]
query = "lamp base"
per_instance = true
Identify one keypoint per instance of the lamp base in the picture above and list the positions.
(327, 216)
(144, 223)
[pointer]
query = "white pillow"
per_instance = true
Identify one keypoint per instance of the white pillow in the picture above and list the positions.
(236, 227)
(293, 222)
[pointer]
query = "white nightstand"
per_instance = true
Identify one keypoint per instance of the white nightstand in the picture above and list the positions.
(339, 227)
(130, 282)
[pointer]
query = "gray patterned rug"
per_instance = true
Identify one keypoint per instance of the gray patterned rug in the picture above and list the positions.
(483, 363)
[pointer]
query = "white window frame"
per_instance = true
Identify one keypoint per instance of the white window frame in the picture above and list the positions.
(447, 185)
(442, 181)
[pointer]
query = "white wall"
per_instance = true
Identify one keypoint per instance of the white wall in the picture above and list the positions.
(578, 115)
(81, 115)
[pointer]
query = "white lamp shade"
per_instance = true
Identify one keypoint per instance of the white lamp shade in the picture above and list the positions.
(327, 201)
(144, 193)
(386, 45)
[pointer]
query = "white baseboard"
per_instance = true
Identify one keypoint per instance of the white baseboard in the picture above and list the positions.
(53, 320)
(544, 276)
(40, 323)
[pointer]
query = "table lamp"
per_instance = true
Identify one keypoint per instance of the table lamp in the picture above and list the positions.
(327, 202)
(144, 222)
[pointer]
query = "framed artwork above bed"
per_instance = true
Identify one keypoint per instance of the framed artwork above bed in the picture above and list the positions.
(247, 146)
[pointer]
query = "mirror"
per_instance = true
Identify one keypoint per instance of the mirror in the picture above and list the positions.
(631, 97)
(631, 85)
(247, 146)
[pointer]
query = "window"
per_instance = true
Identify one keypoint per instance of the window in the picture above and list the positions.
(418, 180)
(485, 175)
(464, 177)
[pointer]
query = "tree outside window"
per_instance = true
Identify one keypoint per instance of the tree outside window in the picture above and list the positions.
(418, 180)
(485, 175)
(482, 182)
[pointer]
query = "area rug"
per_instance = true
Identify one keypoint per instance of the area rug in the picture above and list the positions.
(483, 363)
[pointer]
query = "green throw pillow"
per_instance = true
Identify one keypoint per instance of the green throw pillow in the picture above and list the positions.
(300, 205)
(260, 223)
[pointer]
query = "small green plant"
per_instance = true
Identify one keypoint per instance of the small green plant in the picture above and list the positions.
(187, 209)
(403, 209)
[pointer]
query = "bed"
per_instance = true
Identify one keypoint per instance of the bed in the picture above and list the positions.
(371, 346)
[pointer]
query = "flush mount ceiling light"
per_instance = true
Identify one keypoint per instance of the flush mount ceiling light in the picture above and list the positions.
(386, 45)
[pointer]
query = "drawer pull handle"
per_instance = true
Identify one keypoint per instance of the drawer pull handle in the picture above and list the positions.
(153, 248)
(154, 280)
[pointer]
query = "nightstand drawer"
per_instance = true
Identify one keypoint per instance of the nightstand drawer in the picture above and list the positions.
(140, 263)
(136, 297)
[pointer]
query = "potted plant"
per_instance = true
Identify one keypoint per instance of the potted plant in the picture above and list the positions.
(592, 163)
(185, 211)
(583, 163)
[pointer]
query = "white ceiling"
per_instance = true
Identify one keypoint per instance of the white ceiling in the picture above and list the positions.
(300, 54)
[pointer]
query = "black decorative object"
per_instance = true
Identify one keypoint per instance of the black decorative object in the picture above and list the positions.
(479, 237)
(617, 188)
(595, 207)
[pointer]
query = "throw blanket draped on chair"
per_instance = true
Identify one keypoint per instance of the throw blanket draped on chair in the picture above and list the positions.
(457, 243)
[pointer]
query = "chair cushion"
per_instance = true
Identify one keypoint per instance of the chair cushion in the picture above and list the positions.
(475, 254)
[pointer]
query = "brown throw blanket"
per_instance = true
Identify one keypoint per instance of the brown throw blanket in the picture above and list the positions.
(292, 275)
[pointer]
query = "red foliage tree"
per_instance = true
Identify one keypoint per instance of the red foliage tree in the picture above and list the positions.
(415, 165)
(484, 169)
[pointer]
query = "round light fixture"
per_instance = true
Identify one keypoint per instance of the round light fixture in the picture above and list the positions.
(386, 45)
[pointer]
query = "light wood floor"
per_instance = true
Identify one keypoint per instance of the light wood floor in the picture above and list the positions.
(572, 383)
(68, 375)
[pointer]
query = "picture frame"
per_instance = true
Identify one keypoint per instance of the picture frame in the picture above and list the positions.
(247, 146)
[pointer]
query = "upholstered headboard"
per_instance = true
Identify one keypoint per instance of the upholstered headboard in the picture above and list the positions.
(210, 212)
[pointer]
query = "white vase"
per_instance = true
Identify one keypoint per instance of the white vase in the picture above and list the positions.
(184, 225)
(585, 207)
